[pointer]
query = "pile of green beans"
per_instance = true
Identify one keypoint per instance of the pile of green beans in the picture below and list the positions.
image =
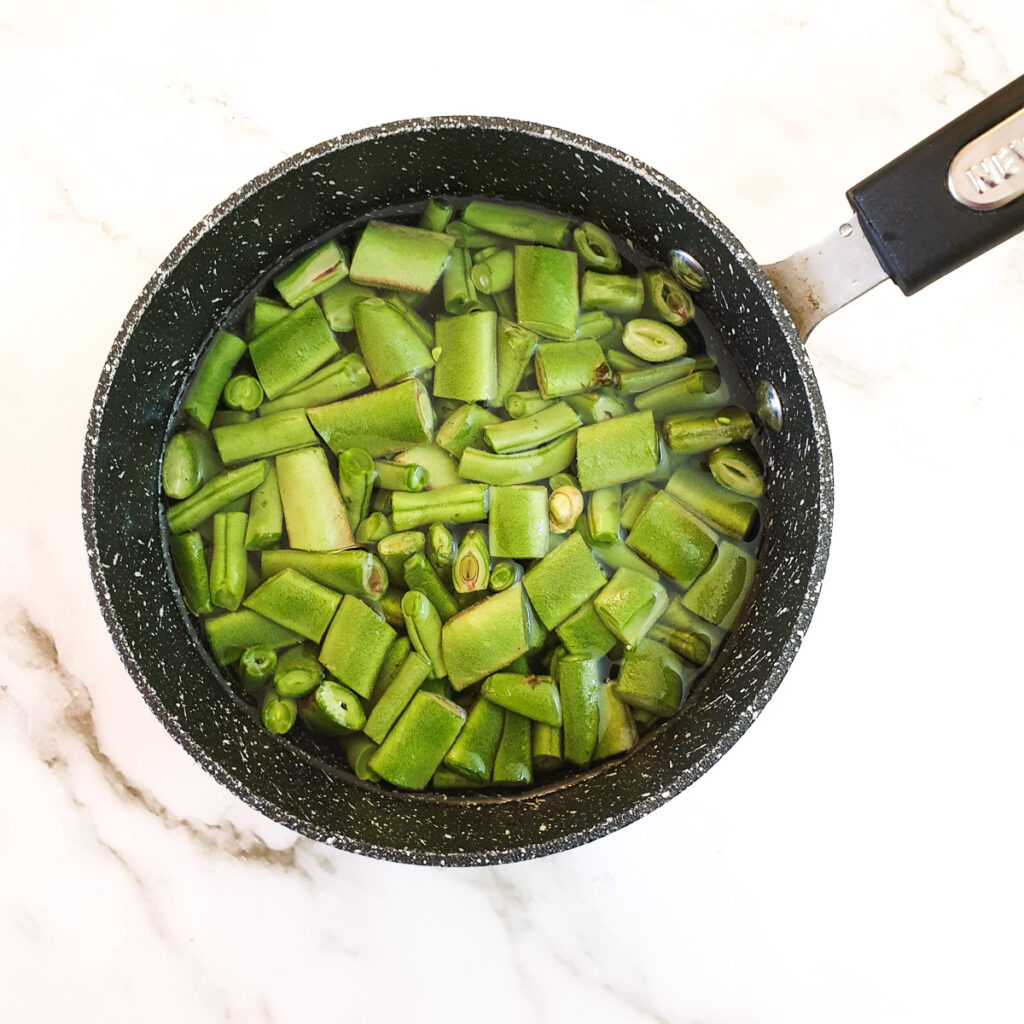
(468, 495)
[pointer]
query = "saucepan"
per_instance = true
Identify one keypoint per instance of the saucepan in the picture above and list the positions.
(944, 201)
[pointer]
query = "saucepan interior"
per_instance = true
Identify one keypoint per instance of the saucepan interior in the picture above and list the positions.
(306, 786)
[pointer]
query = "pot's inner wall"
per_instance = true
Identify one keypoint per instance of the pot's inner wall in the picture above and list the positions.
(302, 199)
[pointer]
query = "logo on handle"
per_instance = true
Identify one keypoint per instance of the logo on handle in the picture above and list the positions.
(989, 171)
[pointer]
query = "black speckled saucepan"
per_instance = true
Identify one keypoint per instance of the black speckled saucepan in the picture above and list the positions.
(306, 786)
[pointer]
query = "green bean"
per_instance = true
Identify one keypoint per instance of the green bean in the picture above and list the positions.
(485, 637)
(266, 514)
(653, 341)
(692, 432)
(634, 498)
(719, 592)
(520, 467)
(569, 368)
(393, 349)
(436, 214)
(357, 474)
(441, 548)
(229, 417)
(358, 751)
(721, 509)
(666, 298)
(473, 752)
(521, 404)
(600, 327)
(297, 672)
(243, 392)
(314, 513)
(263, 437)
(230, 634)
(332, 710)
(585, 634)
(562, 581)
(395, 256)
(691, 646)
(616, 730)
(513, 761)
(615, 293)
(596, 247)
(293, 348)
(633, 381)
(460, 295)
(530, 431)
(394, 549)
(579, 683)
(625, 361)
(381, 422)
(464, 428)
(375, 527)
(464, 503)
(467, 367)
(603, 514)
(562, 480)
(616, 451)
(515, 348)
(471, 569)
(355, 645)
(339, 302)
(440, 468)
(536, 697)
(193, 575)
(420, 575)
(672, 539)
(213, 496)
(296, 602)
(212, 373)
(504, 574)
(518, 524)
(630, 604)
(547, 291)
(423, 626)
(278, 714)
(393, 661)
(190, 460)
(393, 476)
(652, 678)
(256, 667)
(468, 237)
(546, 747)
(412, 751)
(262, 313)
(695, 391)
(338, 379)
(228, 561)
(738, 470)
(390, 607)
(313, 274)
(411, 675)
(493, 274)
(505, 307)
(518, 222)
(355, 572)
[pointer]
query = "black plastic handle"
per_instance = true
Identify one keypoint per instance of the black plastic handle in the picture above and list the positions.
(918, 230)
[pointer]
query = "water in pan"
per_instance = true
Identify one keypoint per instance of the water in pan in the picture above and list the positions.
(700, 334)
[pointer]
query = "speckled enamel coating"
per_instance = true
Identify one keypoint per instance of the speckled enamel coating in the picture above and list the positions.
(295, 780)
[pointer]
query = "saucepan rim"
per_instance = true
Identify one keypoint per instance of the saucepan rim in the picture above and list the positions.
(681, 779)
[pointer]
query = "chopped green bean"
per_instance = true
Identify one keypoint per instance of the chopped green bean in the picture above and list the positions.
(471, 569)
(313, 274)
(190, 460)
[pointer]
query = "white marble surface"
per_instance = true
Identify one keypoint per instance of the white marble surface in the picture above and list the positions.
(857, 857)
